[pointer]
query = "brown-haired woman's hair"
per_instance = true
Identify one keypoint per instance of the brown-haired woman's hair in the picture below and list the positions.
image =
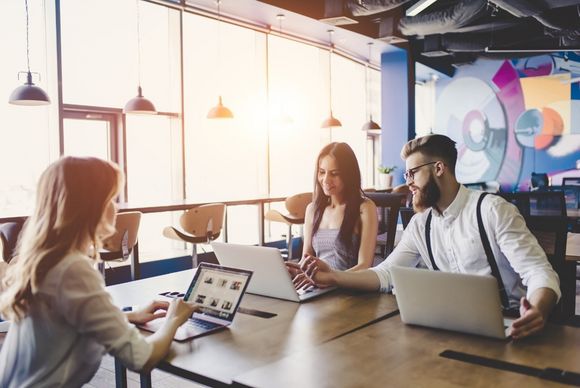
(71, 198)
(435, 146)
(349, 172)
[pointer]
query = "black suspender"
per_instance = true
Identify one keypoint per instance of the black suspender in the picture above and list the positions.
(428, 240)
(486, 247)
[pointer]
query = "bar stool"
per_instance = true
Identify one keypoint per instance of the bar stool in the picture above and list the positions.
(200, 224)
(296, 207)
(123, 243)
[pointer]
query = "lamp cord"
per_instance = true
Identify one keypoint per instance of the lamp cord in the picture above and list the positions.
(330, 68)
(27, 38)
(367, 84)
(138, 44)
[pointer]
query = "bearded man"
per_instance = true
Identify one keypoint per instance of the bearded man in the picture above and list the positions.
(444, 235)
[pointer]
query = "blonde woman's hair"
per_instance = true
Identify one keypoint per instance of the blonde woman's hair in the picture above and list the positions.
(71, 199)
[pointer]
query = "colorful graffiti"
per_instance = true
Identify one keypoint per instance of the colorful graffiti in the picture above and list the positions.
(511, 118)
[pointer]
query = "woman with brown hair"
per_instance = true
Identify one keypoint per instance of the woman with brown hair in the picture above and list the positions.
(63, 319)
(340, 225)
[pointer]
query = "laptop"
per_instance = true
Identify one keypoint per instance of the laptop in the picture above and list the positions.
(450, 301)
(271, 278)
(218, 291)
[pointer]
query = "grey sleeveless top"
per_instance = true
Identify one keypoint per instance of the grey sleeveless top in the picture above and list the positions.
(327, 248)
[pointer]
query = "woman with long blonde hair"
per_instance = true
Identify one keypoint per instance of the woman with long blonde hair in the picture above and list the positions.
(63, 319)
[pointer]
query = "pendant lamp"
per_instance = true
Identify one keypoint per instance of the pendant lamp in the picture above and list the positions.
(369, 125)
(139, 104)
(28, 94)
(219, 111)
(331, 121)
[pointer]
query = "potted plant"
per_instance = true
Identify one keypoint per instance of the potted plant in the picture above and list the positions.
(385, 177)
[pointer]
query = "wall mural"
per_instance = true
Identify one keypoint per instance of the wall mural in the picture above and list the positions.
(512, 118)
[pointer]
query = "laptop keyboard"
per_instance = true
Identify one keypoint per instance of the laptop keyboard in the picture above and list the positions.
(304, 291)
(201, 324)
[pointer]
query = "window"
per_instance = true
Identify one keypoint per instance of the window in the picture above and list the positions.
(29, 133)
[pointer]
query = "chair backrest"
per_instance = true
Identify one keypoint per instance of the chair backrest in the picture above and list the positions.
(539, 180)
(126, 222)
(406, 214)
(571, 181)
(404, 189)
(538, 203)
(9, 234)
(296, 204)
(204, 220)
(388, 205)
(551, 233)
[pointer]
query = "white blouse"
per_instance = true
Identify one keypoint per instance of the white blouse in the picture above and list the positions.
(457, 245)
(71, 323)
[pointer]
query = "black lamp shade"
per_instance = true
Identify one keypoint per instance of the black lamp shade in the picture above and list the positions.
(29, 94)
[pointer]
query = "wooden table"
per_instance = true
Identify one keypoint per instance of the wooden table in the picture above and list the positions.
(252, 342)
(390, 353)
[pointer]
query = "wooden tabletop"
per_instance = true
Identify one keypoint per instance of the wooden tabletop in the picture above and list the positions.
(252, 342)
(390, 353)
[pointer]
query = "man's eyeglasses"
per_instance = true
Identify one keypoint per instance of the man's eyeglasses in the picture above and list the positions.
(410, 173)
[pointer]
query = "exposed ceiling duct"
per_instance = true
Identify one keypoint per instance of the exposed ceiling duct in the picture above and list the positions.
(455, 31)
(370, 7)
(445, 20)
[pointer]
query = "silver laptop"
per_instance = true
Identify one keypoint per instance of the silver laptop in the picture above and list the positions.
(218, 290)
(270, 276)
(450, 301)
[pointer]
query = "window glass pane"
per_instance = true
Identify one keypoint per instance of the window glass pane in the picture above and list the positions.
(153, 157)
(154, 177)
(87, 138)
(100, 53)
(298, 92)
(29, 133)
(349, 106)
(225, 159)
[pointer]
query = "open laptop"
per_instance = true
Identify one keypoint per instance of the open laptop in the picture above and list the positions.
(450, 301)
(218, 290)
(271, 278)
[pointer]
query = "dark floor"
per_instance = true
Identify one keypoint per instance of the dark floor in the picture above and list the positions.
(105, 378)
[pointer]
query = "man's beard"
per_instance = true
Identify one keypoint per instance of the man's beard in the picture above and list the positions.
(426, 196)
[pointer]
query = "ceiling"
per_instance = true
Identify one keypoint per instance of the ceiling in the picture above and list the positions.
(449, 33)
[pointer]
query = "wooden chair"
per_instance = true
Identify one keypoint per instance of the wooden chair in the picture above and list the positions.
(404, 189)
(200, 224)
(388, 205)
(296, 210)
(406, 214)
(123, 243)
(551, 233)
(9, 233)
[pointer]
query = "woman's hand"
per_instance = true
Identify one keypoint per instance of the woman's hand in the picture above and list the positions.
(179, 311)
(153, 310)
(317, 272)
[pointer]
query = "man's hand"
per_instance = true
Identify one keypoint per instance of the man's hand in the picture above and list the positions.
(531, 320)
(317, 271)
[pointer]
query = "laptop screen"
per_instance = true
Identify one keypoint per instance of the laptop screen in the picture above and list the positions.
(218, 290)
